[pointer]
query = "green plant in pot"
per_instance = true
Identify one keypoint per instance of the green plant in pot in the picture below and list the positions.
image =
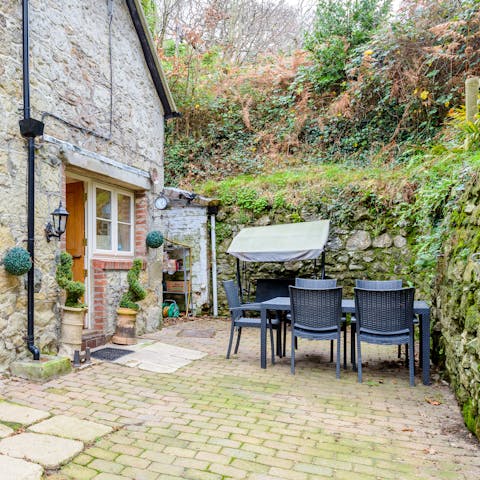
(74, 309)
(128, 307)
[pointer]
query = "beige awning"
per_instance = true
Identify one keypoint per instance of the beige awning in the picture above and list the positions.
(281, 243)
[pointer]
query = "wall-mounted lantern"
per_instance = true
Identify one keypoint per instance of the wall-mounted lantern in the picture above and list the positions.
(59, 218)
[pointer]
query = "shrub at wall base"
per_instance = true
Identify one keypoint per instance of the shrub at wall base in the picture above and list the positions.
(73, 316)
(128, 308)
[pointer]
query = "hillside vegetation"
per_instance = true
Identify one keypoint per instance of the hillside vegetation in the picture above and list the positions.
(384, 100)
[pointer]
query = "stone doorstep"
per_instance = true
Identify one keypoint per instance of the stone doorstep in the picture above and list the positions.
(17, 469)
(93, 339)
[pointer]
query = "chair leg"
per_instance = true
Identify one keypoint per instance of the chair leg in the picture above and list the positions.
(292, 355)
(345, 345)
(411, 364)
(239, 334)
(284, 338)
(331, 351)
(353, 331)
(337, 371)
(232, 329)
(399, 353)
(359, 360)
(271, 343)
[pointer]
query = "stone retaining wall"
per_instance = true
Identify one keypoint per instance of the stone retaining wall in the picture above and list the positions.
(356, 251)
(456, 304)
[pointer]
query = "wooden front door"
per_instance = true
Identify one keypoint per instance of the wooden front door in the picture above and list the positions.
(75, 234)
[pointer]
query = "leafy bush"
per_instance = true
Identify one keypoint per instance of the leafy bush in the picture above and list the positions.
(339, 28)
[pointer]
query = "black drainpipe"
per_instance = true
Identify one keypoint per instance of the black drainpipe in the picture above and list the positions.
(29, 128)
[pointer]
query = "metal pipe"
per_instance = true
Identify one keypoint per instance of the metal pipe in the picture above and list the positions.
(323, 264)
(31, 187)
(239, 280)
(214, 265)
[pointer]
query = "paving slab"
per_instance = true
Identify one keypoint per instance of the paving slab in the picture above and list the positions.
(71, 427)
(47, 450)
(11, 412)
(5, 431)
(175, 351)
(160, 358)
(17, 469)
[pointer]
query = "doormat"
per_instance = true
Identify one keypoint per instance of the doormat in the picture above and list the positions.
(206, 333)
(110, 354)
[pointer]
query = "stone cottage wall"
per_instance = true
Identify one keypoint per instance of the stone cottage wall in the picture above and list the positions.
(70, 78)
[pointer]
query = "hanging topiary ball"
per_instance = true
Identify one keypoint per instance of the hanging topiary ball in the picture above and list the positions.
(154, 239)
(17, 261)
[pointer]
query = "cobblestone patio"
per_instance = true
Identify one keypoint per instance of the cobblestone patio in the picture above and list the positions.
(217, 418)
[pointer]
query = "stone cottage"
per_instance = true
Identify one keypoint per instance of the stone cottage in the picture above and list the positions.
(97, 86)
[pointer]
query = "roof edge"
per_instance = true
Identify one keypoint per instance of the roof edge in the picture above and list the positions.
(152, 60)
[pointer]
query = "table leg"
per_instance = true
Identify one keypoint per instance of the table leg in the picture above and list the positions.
(425, 347)
(263, 337)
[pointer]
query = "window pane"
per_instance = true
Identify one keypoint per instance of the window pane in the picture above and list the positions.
(104, 235)
(124, 208)
(124, 237)
(104, 203)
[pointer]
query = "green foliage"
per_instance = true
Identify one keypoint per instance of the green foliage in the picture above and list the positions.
(249, 199)
(17, 261)
(64, 277)
(339, 28)
(468, 132)
(471, 417)
(135, 291)
(150, 10)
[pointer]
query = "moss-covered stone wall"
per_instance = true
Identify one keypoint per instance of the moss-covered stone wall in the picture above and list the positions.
(457, 304)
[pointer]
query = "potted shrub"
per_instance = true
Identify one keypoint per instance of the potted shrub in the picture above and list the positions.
(128, 308)
(74, 310)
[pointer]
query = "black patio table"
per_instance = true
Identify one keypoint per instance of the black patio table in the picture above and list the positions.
(420, 308)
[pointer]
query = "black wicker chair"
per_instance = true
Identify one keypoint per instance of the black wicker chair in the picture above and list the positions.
(316, 314)
(323, 283)
(386, 285)
(268, 288)
(385, 317)
(239, 320)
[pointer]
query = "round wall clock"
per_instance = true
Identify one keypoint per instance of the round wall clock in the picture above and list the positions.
(161, 202)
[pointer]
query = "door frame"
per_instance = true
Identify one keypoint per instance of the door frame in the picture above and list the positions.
(86, 255)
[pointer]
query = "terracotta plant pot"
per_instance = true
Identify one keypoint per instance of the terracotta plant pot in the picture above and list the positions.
(72, 329)
(125, 331)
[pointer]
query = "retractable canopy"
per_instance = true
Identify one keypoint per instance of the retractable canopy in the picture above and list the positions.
(281, 243)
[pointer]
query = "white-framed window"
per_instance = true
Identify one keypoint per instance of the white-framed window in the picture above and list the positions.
(113, 220)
